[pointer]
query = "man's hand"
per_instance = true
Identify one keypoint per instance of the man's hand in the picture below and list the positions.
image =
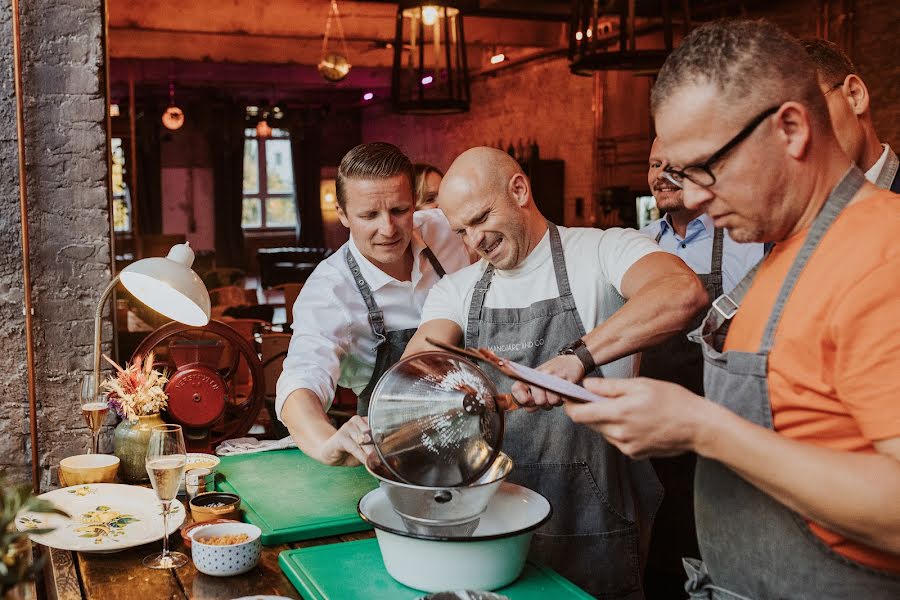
(567, 366)
(644, 417)
(344, 448)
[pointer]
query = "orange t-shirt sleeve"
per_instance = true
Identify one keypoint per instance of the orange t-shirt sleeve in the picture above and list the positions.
(866, 334)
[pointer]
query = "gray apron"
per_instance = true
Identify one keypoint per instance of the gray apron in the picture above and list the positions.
(391, 344)
(887, 179)
(752, 545)
(603, 502)
(680, 361)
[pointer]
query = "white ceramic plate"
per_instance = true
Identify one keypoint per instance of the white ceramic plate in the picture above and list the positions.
(105, 517)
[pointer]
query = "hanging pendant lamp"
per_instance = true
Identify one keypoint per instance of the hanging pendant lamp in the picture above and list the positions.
(603, 36)
(334, 66)
(430, 73)
(173, 118)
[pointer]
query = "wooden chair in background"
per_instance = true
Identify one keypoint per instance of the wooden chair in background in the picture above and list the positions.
(290, 291)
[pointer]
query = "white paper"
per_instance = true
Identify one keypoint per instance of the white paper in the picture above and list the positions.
(552, 383)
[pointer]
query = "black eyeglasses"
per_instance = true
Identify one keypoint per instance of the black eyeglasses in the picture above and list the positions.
(834, 87)
(702, 174)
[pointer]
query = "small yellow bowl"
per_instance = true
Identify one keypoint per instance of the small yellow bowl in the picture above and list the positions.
(88, 468)
(215, 505)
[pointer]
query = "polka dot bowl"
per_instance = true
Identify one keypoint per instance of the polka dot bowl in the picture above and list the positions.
(224, 561)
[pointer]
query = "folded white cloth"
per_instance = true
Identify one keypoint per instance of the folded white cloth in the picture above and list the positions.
(250, 445)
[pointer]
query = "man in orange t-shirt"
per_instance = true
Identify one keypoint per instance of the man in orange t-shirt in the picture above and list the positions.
(797, 489)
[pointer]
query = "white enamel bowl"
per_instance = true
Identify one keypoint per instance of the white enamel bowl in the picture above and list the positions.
(492, 557)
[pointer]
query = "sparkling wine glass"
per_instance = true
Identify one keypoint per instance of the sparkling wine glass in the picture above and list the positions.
(93, 409)
(166, 458)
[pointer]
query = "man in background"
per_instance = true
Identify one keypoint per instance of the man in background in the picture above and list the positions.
(849, 107)
(720, 263)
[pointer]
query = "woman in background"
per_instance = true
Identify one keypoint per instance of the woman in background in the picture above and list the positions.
(428, 179)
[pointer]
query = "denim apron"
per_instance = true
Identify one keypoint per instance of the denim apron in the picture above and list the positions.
(752, 545)
(603, 502)
(680, 361)
(391, 344)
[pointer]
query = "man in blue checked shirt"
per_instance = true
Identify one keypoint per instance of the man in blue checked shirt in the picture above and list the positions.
(721, 263)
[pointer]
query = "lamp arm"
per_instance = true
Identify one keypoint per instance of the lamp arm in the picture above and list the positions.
(98, 328)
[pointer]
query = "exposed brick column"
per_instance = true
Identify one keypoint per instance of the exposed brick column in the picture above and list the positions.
(66, 164)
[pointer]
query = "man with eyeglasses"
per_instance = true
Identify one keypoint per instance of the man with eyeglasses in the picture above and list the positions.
(720, 263)
(848, 100)
(798, 437)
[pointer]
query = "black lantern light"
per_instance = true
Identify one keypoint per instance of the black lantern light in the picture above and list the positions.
(430, 74)
(603, 35)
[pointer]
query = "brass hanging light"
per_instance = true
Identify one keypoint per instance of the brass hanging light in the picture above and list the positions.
(334, 66)
(430, 72)
(603, 35)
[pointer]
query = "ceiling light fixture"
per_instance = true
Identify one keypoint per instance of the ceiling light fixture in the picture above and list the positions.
(334, 66)
(430, 71)
(605, 39)
(498, 58)
(173, 118)
(368, 96)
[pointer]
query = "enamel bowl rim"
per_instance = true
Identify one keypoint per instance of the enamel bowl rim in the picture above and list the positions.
(453, 538)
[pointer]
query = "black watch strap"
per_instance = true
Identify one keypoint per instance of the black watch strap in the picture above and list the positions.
(581, 351)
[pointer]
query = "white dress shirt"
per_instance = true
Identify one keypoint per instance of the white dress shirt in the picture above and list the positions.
(695, 248)
(595, 260)
(333, 343)
(873, 173)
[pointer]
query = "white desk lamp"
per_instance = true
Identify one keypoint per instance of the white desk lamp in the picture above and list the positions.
(167, 285)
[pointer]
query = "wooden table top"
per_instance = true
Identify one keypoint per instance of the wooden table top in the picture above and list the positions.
(121, 576)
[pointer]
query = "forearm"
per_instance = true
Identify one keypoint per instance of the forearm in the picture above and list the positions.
(848, 492)
(306, 420)
(442, 330)
(659, 309)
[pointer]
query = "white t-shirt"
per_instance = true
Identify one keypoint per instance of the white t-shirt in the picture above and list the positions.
(333, 343)
(596, 261)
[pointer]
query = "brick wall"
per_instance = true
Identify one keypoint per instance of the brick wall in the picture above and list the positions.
(66, 167)
(539, 100)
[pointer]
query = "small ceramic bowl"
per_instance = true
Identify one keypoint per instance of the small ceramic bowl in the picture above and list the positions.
(189, 527)
(88, 468)
(216, 505)
(198, 460)
(224, 561)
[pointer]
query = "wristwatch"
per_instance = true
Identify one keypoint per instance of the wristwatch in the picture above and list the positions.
(581, 351)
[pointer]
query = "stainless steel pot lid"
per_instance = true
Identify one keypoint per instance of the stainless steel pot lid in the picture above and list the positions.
(435, 420)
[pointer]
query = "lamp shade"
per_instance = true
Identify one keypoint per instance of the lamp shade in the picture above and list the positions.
(169, 286)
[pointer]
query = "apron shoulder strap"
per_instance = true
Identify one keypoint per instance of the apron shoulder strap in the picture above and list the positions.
(559, 262)
(376, 317)
(718, 244)
(840, 196)
(435, 263)
(889, 171)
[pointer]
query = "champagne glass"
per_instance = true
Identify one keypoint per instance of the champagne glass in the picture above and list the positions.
(94, 409)
(165, 462)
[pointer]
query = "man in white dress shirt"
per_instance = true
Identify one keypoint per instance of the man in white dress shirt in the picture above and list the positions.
(848, 101)
(552, 298)
(361, 305)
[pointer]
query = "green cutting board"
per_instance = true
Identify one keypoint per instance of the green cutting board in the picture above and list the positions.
(355, 570)
(291, 497)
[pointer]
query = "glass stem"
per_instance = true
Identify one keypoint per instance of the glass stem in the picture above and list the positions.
(95, 442)
(165, 516)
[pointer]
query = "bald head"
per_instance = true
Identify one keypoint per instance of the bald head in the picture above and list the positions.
(481, 170)
(487, 199)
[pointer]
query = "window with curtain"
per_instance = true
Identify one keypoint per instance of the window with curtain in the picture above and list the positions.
(269, 190)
